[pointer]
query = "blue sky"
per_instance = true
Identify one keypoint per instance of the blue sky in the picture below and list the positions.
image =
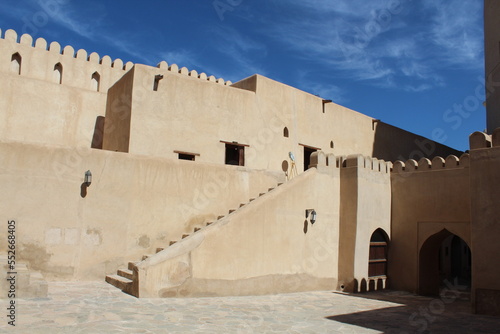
(414, 64)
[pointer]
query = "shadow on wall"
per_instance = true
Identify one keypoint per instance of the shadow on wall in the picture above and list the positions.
(392, 143)
(83, 190)
(98, 133)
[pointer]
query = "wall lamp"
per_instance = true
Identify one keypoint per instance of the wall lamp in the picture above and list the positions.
(313, 214)
(88, 178)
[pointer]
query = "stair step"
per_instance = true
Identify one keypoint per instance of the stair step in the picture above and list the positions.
(242, 205)
(147, 256)
(231, 211)
(251, 199)
(184, 236)
(270, 189)
(159, 249)
(132, 265)
(280, 184)
(220, 217)
(196, 229)
(120, 282)
(126, 273)
(261, 194)
(172, 242)
(209, 223)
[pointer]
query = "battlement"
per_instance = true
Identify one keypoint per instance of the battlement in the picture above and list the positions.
(23, 56)
(68, 51)
(437, 163)
(479, 140)
(369, 163)
(174, 68)
(41, 60)
(321, 160)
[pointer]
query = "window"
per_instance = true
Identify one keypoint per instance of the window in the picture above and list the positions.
(285, 132)
(377, 264)
(95, 81)
(331, 144)
(307, 157)
(15, 63)
(57, 74)
(308, 150)
(186, 155)
(235, 153)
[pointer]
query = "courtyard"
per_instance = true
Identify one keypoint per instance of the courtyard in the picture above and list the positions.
(97, 307)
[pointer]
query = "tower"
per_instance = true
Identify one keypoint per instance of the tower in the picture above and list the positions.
(492, 62)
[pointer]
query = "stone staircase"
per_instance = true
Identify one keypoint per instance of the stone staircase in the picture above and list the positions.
(127, 279)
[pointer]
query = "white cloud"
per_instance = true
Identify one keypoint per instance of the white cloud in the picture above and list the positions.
(182, 58)
(380, 42)
(417, 89)
(244, 52)
(326, 91)
(361, 9)
(338, 42)
(65, 15)
(455, 30)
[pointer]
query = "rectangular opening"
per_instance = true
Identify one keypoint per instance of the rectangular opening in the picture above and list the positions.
(235, 155)
(307, 157)
(308, 150)
(186, 155)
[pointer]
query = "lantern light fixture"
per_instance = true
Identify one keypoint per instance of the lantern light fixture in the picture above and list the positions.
(313, 215)
(88, 178)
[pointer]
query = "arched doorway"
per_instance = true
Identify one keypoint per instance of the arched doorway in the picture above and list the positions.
(377, 264)
(444, 260)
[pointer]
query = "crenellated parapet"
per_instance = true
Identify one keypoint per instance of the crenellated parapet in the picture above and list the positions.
(68, 51)
(365, 162)
(427, 165)
(39, 59)
(174, 68)
(480, 140)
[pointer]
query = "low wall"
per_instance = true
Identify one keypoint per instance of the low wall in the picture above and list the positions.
(267, 246)
(134, 204)
(427, 198)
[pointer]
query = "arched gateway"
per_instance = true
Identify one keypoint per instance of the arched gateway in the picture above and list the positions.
(444, 262)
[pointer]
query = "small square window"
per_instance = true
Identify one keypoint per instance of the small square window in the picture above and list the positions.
(235, 155)
(186, 156)
(181, 155)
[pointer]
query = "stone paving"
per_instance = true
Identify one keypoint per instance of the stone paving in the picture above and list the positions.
(98, 307)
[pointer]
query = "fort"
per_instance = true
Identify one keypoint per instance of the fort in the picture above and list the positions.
(167, 182)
